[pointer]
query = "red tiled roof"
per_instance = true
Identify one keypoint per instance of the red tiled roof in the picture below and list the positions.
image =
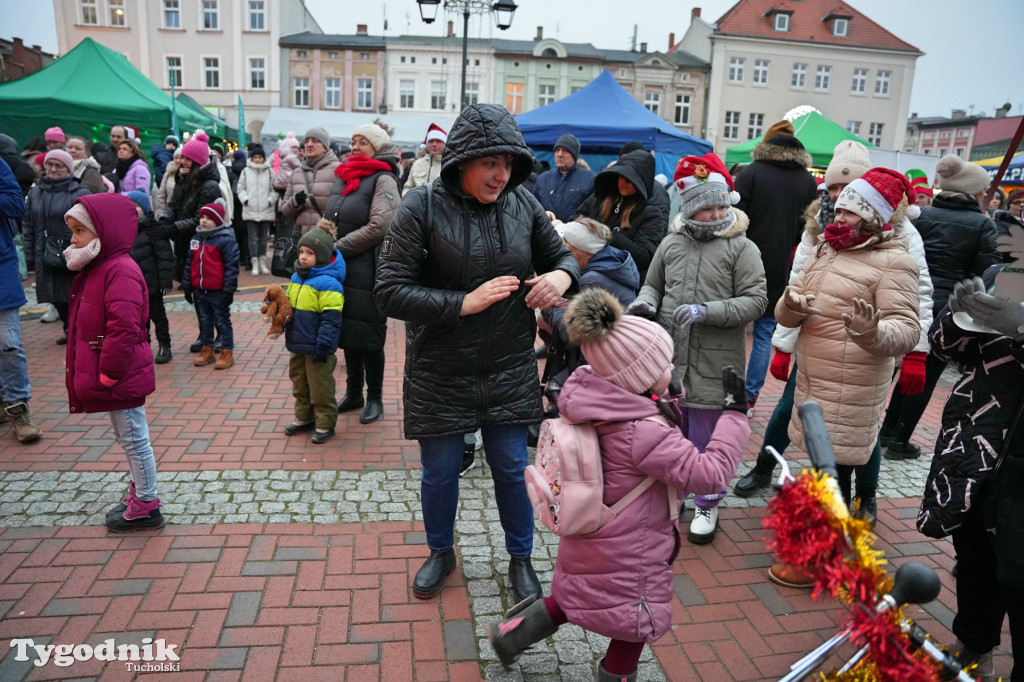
(747, 18)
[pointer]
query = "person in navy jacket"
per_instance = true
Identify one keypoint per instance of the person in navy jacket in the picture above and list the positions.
(211, 278)
(562, 189)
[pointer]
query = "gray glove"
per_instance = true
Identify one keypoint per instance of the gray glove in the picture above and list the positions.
(1006, 317)
(963, 291)
(641, 309)
(690, 313)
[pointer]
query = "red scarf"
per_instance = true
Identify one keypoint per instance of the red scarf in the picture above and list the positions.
(355, 168)
(844, 237)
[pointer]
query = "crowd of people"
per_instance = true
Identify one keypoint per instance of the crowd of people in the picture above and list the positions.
(643, 293)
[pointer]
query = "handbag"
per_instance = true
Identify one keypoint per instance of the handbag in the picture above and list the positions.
(282, 264)
(53, 253)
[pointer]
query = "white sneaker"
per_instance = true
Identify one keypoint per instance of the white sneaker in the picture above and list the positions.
(255, 267)
(703, 527)
(50, 315)
(479, 437)
(264, 268)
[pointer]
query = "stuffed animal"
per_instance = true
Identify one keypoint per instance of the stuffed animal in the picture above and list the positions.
(276, 310)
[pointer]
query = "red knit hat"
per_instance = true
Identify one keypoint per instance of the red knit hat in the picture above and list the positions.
(436, 132)
(214, 212)
(875, 195)
(703, 181)
(920, 185)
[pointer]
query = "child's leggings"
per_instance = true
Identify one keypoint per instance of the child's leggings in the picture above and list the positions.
(621, 658)
(132, 433)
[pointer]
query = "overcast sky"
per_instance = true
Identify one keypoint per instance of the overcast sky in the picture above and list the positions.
(970, 55)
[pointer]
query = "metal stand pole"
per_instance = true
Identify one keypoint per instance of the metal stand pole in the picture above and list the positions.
(465, 48)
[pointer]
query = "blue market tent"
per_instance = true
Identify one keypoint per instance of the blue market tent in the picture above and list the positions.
(604, 116)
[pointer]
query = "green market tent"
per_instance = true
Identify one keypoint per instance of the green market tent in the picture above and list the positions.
(85, 92)
(215, 127)
(818, 135)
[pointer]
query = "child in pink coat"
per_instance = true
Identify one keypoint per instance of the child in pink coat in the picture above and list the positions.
(617, 581)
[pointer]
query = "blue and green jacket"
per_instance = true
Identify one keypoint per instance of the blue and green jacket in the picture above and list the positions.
(317, 300)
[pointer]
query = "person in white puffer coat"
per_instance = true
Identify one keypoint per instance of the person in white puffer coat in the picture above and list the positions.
(258, 198)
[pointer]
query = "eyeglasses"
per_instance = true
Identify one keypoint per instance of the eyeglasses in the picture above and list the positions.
(54, 165)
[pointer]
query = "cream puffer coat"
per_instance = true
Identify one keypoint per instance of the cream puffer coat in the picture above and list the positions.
(320, 177)
(849, 374)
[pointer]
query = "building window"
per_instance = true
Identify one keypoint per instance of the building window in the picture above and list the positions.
(841, 28)
(782, 22)
(853, 127)
(412, 60)
(174, 71)
(172, 14)
(364, 93)
(756, 128)
(211, 18)
(406, 94)
(301, 54)
(257, 73)
(472, 93)
(332, 93)
(547, 95)
(116, 12)
(301, 96)
(514, 97)
(882, 82)
(476, 62)
(682, 110)
(799, 76)
(875, 134)
(960, 151)
(732, 125)
(89, 12)
(365, 56)
(860, 81)
(823, 78)
(761, 71)
(332, 55)
(945, 134)
(652, 102)
(438, 90)
(257, 15)
(736, 69)
(402, 59)
(211, 73)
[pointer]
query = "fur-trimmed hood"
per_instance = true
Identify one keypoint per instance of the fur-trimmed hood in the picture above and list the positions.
(782, 156)
(738, 227)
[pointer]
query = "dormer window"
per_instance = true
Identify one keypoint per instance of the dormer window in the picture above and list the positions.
(781, 22)
(841, 27)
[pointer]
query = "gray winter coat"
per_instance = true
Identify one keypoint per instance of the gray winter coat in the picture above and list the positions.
(45, 207)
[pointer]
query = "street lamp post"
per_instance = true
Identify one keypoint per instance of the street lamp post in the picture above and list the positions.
(504, 11)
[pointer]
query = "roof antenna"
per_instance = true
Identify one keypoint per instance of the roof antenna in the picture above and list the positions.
(632, 47)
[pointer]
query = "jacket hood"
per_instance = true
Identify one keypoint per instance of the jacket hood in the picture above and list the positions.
(637, 166)
(389, 154)
(333, 269)
(782, 156)
(956, 201)
(116, 222)
(8, 145)
(617, 265)
(588, 397)
(485, 130)
(257, 166)
(325, 159)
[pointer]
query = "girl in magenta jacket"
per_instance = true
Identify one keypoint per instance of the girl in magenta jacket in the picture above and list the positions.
(109, 361)
(617, 581)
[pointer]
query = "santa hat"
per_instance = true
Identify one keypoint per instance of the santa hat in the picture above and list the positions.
(875, 195)
(436, 132)
(704, 182)
(131, 133)
(214, 212)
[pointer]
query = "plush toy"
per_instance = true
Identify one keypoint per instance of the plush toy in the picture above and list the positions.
(276, 310)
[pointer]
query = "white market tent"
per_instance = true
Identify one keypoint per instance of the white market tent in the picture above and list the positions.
(904, 161)
(410, 129)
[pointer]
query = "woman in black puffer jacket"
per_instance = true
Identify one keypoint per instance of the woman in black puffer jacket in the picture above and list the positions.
(460, 265)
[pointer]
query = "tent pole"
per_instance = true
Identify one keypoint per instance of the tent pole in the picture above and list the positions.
(174, 110)
(1005, 164)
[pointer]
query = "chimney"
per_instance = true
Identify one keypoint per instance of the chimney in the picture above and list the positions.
(451, 28)
(694, 14)
(671, 41)
(1002, 111)
(540, 33)
(18, 51)
(643, 47)
(959, 114)
(360, 29)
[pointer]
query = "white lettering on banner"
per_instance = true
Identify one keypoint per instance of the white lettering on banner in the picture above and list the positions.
(65, 654)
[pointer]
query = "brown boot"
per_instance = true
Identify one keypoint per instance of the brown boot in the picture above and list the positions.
(226, 359)
(21, 423)
(205, 356)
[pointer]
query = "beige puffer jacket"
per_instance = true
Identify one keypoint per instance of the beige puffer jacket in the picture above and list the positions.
(320, 176)
(849, 374)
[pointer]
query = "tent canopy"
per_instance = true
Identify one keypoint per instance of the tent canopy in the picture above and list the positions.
(1014, 172)
(818, 135)
(87, 91)
(604, 116)
(214, 127)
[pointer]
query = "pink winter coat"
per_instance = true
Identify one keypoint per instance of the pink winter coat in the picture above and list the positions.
(617, 581)
(107, 316)
(137, 177)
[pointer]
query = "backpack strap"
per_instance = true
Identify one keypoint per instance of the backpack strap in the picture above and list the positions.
(641, 488)
(636, 492)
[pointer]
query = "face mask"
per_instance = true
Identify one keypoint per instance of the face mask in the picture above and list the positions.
(704, 231)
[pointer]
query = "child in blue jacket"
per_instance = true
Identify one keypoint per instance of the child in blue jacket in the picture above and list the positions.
(317, 297)
(211, 269)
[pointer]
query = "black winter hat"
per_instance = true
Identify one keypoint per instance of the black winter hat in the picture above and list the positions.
(631, 147)
(786, 141)
(257, 149)
(570, 144)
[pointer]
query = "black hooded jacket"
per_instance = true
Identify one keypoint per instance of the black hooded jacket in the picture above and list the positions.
(464, 371)
(648, 223)
(23, 172)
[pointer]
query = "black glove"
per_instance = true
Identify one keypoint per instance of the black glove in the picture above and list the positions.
(299, 198)
(735, 391)
(229, 297)
(188, 296)
(319, 357)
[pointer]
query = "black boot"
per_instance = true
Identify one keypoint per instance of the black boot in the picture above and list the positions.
(759, 477)
(196, 346)
(352, 400)
(430, 578)
(902, 450)
(527, 623)
(524, 580)
(374, 411)
(163, 354)
(866, 507)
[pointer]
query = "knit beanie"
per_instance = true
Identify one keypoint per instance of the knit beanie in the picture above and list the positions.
(631, 147)
(570, 144)
(257, 150)
(54, 134)
(434, 132)
(780, 128)
(172, 139)
(875, 195)
(377, 136)
(287, 143)
(629, 351)
(197, 149)
(62, 156)
(214, 211)
(956, 175)
(703, 182)
(849, 162)
(141, 199)
(321, 241)
(80, 213)
(319, 134)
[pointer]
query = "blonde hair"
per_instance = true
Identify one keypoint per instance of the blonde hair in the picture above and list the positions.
(608, 205)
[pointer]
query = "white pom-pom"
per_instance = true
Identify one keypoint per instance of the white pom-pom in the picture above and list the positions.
(913, 212)
(734, 197)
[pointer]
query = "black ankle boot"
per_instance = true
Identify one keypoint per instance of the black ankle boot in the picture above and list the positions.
(527, 623)
(430, 578)
(897, 450)
(759, 477)
(196, 346)
(374, 411)
(163, 354)
(866, 507)
(524, 581)
(352, 400)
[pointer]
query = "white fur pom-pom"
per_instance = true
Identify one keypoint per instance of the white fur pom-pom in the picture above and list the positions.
(913, 212)
(734, 197)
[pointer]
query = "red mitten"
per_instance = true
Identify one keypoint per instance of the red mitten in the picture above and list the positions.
(780, 365)
(107, 381)
(912, 373)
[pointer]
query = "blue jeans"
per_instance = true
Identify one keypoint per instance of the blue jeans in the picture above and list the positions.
(760, 356)
(505, 447)
(132, 433)
(213, 313)
(14, 385)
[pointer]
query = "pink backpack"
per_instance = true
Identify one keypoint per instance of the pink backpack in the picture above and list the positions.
(566, 481)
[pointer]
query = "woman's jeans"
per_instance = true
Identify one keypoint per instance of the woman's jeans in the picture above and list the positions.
(760, 356)
(14, 384)
(132, 433)
(505, 447)
(259, 235)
